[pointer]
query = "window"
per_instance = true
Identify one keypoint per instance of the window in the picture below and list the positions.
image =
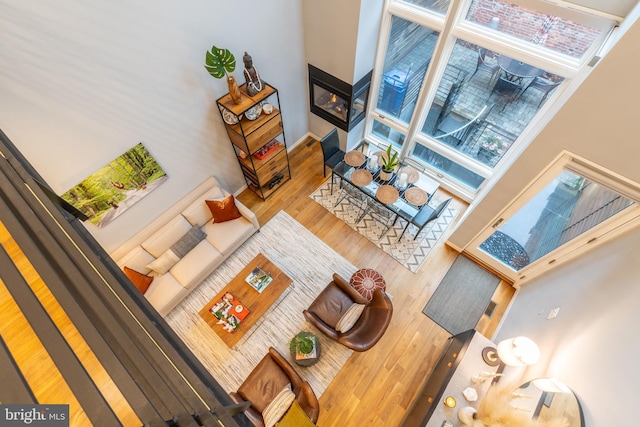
(408, 53)
(460, 83)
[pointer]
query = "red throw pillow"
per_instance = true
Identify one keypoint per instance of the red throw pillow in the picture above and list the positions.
(141, 281)
(223, 210)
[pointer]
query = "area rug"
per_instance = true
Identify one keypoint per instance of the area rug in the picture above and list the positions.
(462, 296)
(408, 252)
(310, 263)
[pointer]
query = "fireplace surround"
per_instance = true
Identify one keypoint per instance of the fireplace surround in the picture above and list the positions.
(336, 101)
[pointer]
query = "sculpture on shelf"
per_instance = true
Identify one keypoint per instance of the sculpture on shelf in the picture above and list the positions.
(251, 75)
(219, 63)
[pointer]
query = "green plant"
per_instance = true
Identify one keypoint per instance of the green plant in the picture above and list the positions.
(390, 161)
(304, 342)
(219, 62)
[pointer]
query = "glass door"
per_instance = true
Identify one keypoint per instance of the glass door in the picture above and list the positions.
(566, 209)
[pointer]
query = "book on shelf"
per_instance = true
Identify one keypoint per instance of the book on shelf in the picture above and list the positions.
(229, 311)
(302, 356)
(259, 279)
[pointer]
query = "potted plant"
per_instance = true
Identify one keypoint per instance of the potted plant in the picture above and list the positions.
(389, 162)
(219, 63)
(304, 348)
(493, 146)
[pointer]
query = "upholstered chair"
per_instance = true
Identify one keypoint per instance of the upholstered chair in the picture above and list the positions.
(264, 383)
(329, 310)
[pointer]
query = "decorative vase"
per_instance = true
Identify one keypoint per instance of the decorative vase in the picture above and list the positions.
(234, 91)
(385, 176)
(466, 415)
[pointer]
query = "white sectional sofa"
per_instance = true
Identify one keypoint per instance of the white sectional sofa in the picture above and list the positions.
(221, 240)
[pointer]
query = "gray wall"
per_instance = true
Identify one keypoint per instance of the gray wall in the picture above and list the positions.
(82, 82)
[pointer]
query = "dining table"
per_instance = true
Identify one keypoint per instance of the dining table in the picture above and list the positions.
(404, 194)
(517, 71)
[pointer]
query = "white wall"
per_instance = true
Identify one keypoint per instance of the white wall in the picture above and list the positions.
(82, 82)
(592, 344)
(340, 38)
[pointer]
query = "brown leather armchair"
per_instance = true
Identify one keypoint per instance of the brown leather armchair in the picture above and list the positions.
(332, 303)
(265, 382)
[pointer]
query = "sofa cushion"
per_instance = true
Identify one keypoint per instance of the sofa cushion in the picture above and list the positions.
(223, 210)
(278, 406)
(227, 236)
(196, 265)
(350, 317)
(165, 293)
(163, 263)
(188, 241)
(136, 259)
(166, 236)
(140, 281)
(198, 213)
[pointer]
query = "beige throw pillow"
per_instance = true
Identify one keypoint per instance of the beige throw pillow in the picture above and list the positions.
(278, 406)
(163, 263)
(350, 317)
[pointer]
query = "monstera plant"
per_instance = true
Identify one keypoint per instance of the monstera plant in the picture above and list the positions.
(220, 63)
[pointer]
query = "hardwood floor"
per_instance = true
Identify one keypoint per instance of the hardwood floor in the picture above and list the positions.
(374, 388)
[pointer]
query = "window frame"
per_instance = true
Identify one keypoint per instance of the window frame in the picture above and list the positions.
(451, 27)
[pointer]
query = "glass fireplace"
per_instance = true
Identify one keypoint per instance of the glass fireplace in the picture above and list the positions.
(336, 101)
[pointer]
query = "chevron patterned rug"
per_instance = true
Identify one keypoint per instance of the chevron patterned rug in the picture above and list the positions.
(408, 252)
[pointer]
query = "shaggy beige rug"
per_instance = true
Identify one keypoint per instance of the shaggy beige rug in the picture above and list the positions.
(310, 263)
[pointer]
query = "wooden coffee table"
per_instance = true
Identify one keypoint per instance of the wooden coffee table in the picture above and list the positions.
(257, 303)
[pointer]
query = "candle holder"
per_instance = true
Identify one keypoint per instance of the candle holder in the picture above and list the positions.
(450, 402)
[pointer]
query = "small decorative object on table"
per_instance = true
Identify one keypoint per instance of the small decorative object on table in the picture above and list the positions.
(230, 312)
(389, 162)
(305, 349)
(266, 149)
(251, 75)
(219, 63)
(259, 279)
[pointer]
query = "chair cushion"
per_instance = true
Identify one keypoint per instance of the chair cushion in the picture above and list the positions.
(278, 406)
(331, 304)
(350, 317)
(223, 210)
(295, 417)
(141, 281)
(264, 383)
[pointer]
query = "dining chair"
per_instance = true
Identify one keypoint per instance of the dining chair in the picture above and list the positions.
(543, 85)
(486, 67)
(331, 153)
(356, 198)
(381, 214)
(506, 90)
(425, 216)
